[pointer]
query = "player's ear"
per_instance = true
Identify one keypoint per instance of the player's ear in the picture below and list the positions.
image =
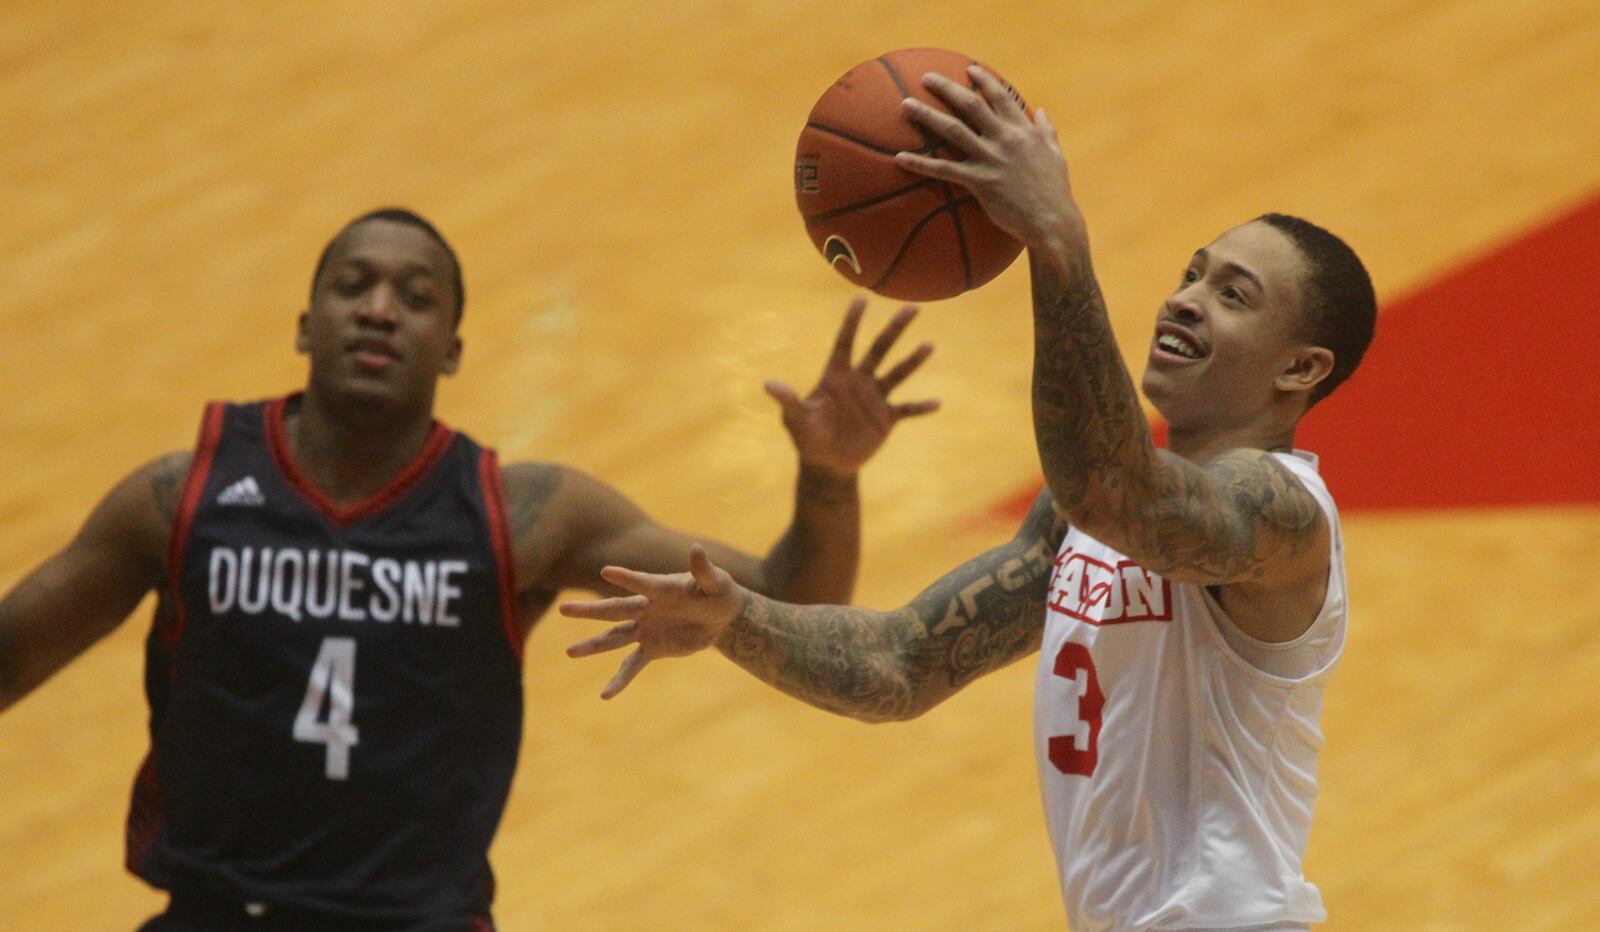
(452, 357)
(1308, 366)
(302, 343)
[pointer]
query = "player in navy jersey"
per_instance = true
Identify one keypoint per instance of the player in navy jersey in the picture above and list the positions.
(345, 584)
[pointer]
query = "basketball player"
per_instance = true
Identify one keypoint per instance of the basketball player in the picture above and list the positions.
(1189, 604)
(345, 586)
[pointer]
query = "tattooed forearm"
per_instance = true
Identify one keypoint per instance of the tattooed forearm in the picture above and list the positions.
(879, 666)
(1086, 415)
(846, 660)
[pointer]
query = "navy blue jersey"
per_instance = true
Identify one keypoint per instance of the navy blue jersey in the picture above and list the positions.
(335, 693)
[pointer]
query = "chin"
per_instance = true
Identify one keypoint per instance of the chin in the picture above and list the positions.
(1156, 391)
(1174, 407)
(356, 392)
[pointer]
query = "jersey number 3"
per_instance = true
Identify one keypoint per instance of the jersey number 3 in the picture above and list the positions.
(1077, 753)
(333, 678)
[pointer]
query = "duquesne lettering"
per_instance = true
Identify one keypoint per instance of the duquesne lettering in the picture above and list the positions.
(346, 585)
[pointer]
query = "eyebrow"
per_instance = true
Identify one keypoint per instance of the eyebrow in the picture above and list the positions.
(1233, 267)
(408, 268)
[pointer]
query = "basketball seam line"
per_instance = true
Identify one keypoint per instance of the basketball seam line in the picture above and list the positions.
(869, 202)
(869, 146)
(953, 205)
(929, 141)
(905, 246)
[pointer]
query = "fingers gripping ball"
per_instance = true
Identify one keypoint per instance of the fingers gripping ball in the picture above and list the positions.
(882, 227)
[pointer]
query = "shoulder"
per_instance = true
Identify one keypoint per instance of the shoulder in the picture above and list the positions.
(1293, 536)
(164, 477)
(554, 511)
(554, 489)
(137, 516)
(529, 478)
(557, 502)
(1267, 491)
(530, 490)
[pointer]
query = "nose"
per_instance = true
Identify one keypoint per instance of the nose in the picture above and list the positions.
(1184, 308)
(378, 309)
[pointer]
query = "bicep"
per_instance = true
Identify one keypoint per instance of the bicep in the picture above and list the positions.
(84, 591)
(602, 527)
(1244, 518)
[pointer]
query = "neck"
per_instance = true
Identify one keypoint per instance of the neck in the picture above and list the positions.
(350, 452)
(1206, 444)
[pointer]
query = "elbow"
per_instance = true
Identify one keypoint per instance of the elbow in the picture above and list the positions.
(1094, 513)
(903, 700)
(912, 711)
(889, 714)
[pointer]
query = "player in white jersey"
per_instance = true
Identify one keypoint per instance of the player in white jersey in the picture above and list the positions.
(1189, 602)
(1187, 801)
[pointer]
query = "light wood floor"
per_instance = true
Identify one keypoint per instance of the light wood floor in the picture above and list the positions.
(616, 176)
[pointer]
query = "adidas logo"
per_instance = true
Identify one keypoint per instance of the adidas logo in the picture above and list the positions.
(243, 492)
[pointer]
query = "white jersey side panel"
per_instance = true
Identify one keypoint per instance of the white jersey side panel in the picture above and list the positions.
(1178, 777)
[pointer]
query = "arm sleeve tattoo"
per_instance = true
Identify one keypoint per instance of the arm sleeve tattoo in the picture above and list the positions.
(1231, 521)
(884, 666)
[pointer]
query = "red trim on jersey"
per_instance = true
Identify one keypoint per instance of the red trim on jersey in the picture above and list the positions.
(205, 453)
(433, 450)
(494, 500)
(145, 814)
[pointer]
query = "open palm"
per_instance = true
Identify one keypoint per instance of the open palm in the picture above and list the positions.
(848, 415)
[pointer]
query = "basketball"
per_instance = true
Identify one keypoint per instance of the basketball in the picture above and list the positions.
(898, 234)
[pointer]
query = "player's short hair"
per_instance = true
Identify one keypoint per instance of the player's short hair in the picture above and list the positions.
(1341, 309)
(410, 218)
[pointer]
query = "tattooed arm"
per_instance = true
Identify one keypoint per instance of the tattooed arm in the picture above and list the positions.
(79, 595)
(1242, 520)
(874, 666)
(897, 665)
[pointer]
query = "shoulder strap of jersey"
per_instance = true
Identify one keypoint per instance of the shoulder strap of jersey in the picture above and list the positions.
(205, 453)
(494, 501)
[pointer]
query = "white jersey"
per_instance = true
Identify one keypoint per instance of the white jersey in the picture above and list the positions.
(1179, 773)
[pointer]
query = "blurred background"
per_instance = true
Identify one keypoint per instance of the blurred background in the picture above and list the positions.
(617, 178)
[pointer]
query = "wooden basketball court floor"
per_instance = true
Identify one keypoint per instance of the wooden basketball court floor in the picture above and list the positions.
(616, 177)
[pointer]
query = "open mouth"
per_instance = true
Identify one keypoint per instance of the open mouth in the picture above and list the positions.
(1176, 341)
(1178, 346)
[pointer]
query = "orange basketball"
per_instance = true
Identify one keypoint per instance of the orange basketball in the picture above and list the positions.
(895, 233)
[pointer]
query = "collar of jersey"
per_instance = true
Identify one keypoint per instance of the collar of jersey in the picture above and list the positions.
(433, 450)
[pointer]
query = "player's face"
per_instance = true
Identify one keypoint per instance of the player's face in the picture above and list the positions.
(1229, 331)
(381, 326)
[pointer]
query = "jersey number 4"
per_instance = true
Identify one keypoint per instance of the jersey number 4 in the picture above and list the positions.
(333, 679)
(1077, 753)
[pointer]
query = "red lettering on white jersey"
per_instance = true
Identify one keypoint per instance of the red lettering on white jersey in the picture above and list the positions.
(1098, 593)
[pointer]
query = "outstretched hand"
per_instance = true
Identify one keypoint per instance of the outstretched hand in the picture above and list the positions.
(669, 615)
(1011, 163)
(848, 415)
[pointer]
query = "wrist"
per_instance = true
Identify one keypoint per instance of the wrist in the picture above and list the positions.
(731, 631)
(818, 483)
(1056, 245)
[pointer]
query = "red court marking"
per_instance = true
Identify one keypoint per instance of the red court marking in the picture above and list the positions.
(1481, 388)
